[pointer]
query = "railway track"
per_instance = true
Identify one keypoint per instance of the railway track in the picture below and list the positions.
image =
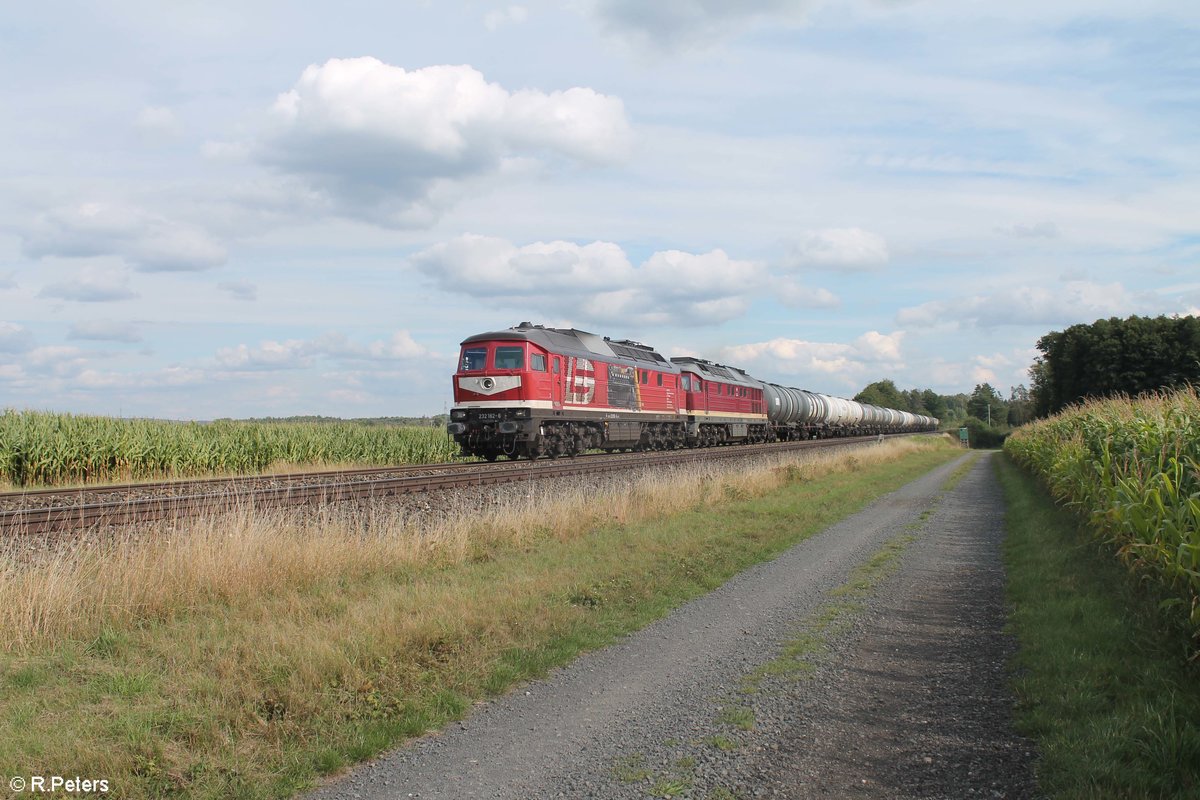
(55, 510)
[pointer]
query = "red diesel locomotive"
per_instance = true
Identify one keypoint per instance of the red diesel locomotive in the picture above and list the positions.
(531, 391)
(724, 404)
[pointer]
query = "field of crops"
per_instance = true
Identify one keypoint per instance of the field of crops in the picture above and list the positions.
(1133, 467)
(44, 449)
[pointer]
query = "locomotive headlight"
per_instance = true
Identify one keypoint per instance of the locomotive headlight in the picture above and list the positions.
(521, 413)
(487, 383)
(458, 413)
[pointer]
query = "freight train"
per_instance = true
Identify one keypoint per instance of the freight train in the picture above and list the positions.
(533, 391)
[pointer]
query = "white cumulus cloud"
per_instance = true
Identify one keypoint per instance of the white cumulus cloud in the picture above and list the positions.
(1063, 304)
(145, 240)
(596, 283)
(794, 295)
(387, 144)
(842, 249)
(814, 365)
(92, 285)
(303, 353)
(14, 338)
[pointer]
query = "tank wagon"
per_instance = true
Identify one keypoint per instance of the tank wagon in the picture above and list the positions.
(531, 391)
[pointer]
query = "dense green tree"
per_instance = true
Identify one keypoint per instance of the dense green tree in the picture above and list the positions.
(949, 409)
(1115, 356)
(934, 403)
(1020, 406)
(986, 404)
(884, 394)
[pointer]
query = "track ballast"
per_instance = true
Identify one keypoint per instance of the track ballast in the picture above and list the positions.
(56, 511)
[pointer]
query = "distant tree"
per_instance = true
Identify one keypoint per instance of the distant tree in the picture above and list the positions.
(1020, 406)
(985, 404)
(884, 394)
(1115, 356)
(934, 403)
(915, 402)
(956, 407)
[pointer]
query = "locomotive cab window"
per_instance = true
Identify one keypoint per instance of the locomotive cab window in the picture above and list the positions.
(474, 359)
(510, 358)
(537, 361)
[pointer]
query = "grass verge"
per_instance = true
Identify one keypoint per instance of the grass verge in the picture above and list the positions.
(252, 656)
(1102, 681)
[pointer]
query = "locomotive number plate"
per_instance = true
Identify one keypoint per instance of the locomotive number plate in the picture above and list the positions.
(489, 416)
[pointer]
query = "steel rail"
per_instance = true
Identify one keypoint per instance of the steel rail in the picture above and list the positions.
(244, 494)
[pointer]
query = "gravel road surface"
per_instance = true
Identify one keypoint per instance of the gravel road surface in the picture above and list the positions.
(910, 701)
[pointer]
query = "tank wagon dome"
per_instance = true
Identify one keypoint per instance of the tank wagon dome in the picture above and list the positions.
(574, 342)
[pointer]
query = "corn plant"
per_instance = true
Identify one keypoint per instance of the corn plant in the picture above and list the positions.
(1132, 467)
(41, 448)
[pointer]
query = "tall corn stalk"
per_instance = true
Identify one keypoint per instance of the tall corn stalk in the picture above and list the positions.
(41, 448)
(1132, 467)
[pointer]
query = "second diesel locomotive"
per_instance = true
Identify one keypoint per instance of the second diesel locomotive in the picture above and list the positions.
(531, 391)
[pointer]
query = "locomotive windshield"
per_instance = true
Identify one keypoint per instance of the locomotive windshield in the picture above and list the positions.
(510, 357)
(474, 359)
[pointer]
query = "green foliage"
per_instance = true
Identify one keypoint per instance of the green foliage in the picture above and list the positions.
(1020, 406)
(985, 404)
(883, 394)
(1132, 468)
(935, 404)
(1115, 356)
(39, 448)
(984, 436)
(919, 401)
(1101, 687)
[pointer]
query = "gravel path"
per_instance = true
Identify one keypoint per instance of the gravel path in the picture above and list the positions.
(909, 701)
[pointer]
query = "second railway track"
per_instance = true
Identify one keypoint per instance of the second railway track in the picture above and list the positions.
(55, 511)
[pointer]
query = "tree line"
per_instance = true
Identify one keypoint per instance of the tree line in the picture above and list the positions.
(1115, 356)
(984, 403)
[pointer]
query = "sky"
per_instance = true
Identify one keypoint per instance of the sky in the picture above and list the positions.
(245, 209)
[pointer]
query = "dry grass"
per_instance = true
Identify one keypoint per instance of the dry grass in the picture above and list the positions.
(246, 654)
(237, 559)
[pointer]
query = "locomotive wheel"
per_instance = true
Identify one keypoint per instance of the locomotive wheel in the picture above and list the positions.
(490, 455)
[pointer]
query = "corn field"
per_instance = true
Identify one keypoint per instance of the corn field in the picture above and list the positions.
(1133, 468)
(46, 449)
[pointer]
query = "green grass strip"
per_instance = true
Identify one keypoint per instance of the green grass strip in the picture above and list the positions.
(1102, 682)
